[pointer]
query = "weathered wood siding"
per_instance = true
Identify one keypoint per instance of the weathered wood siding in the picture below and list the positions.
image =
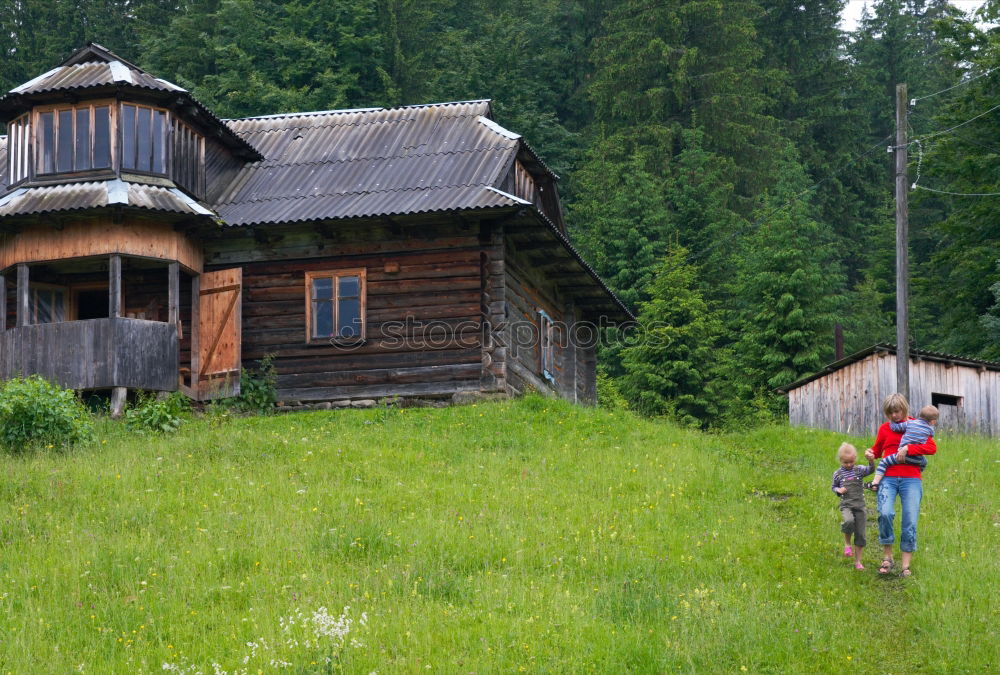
(100, 236)
(527, 291)
(492, 308)
(424, 306)
(850, 399)
(94, 354)
(145, 292)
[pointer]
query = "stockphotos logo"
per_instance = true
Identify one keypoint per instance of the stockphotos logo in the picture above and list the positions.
(415, 334)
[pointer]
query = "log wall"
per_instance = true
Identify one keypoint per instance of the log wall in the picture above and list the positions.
(849, 400)
(425, 300)
(527, 291)
(492, 307)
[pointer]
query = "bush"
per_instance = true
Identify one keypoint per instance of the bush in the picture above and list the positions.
(34, 412)
(258, 389)
(159, 415)
(609, 396)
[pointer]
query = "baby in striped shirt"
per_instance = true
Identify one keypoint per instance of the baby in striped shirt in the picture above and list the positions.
(915, 432)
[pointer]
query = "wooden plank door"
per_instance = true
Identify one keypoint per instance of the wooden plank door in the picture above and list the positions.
(216, 352)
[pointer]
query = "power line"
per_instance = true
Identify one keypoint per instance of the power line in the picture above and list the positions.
(916, 181)
(957, 194)
(913, 101)
(957, 126)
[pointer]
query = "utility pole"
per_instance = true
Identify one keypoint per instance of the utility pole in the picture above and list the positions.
(902, 249)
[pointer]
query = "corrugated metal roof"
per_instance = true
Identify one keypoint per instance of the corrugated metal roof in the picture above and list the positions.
(891, 349)
(94, 67)
(369, 162)
(93, 74)
(96, 194)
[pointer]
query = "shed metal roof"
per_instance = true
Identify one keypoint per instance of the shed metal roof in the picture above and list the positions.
(891, 349)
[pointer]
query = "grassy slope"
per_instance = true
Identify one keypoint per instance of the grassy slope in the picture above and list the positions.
(527, 535)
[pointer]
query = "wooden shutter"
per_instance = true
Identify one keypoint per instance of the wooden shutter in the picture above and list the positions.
(217, 352)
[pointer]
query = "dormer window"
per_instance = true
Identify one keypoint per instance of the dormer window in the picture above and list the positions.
(98, 137)
(73, 138)
(144, 139)
(18, 133)
(188, 158)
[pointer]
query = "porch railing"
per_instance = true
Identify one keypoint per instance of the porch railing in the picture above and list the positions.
(94, 354)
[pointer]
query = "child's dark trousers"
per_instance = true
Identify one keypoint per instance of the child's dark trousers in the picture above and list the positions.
(853, 522)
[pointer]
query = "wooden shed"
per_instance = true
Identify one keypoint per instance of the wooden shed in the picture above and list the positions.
(847, 395)
(416, 251)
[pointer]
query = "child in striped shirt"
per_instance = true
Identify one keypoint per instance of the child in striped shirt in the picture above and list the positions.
(847, 484)
(915, 432)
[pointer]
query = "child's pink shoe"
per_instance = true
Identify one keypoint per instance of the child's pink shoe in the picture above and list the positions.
(848, 552)
(858, 566)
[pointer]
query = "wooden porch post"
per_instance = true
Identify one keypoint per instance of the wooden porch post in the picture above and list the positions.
(115, 286)
(23, 313)
(195, 336)
(173, 294)
(118, 394)
(3, 302)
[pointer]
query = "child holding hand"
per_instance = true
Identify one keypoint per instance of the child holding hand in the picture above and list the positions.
(847, 483)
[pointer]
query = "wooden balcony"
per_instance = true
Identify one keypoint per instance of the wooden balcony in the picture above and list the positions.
(94, 354)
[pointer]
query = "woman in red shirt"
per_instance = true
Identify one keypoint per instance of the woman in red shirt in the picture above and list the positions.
(901, 479)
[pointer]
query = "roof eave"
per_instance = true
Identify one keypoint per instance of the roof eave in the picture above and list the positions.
(572, 250)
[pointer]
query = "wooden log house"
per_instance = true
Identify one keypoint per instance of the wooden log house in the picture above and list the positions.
(847, 395)
(417, 251)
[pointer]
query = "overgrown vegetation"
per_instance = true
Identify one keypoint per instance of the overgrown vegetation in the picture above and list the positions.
(484, 538)
(35, 413)
(258, 389)
(157, 414)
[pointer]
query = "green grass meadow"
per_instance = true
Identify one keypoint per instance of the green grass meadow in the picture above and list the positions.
(522, 536)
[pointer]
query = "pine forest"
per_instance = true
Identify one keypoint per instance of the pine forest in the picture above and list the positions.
(723, 163)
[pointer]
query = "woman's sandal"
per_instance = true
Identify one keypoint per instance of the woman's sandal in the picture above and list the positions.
(886, 566)
(906, 573)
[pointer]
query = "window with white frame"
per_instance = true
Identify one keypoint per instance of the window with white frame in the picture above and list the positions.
(18, 150)
(546, 342)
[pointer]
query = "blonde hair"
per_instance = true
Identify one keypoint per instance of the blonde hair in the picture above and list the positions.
(846, 450)
(896, 403)
(929, 413)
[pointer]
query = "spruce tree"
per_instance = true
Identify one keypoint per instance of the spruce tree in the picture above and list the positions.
(671, 361)
(680, 64)
(620, 222)
(785, 290)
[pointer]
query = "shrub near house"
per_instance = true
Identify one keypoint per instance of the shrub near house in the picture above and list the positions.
(34, 413)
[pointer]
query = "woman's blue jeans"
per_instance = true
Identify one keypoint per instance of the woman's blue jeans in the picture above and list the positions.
(910, 491)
